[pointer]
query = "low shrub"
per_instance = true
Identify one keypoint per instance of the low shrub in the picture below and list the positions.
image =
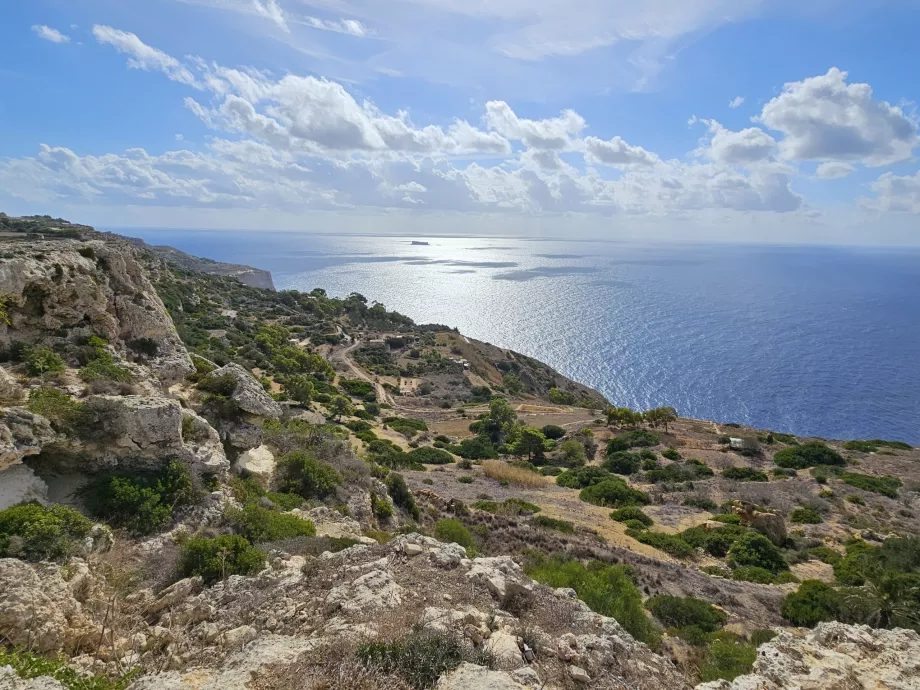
(680, 612)
(669, 543)
(783, 472)
(613, 493)
(825, 554)
(43, 360)
(28, 665)
(36, 533)
(550, 471)
(715, 542)
(886, 486)
(104, 369)
(701, 502)
(806, 516)
(477, 448)
(631, 513)
(431, 456)
(218, 558)
(671, 454)
(518, 476)
(606, 589)
(454, 531)
(582, 477)
(223, 385)
(873, 445)
(467, 479)
(551, 431)
(752, 573)
(744, 474)
(754, 549)
(807, 455)
(298, 472)
(260, 525)
(140, 503)
(65, 414)
(421, 658)
(728, 657)
(545, 522)
(812, 603)
(381, 506)
(728, 518)
(401, 496)
(406, 426)
(638, 438)
(623, 462)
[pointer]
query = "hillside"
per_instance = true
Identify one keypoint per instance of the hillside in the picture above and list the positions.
(207, 484)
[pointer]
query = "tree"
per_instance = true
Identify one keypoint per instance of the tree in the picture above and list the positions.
(299, 388)
(512, 384)
(622, 416)
(339, 406)
(571, 453)
(661, 416)
(499, 422)
(531, 442)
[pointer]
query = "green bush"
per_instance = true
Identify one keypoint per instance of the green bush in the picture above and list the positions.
(510, 506)
(140, 503)
(552, 431)
(752, 573)
(381, 506)
(638, 438)
(606, 589)
(813, 603)
(421, 658)
(356, 387)
(453, 531)
(631, 513)
(613, 493)
(218, 558)
(715, 542)
(873, 445)
(43, 360)
(623, 462)
(431, 456)
(701, 502)
(753, 548)
(37, 533)
(887, 486)
(582, 477)
(261, 525)
(477, 448)
(466, 479)
(688, 471)
(806, 516)
(406, 426)
(744, 474)
(671, 454)
(807, 455)
(680, 612)
(298, 472)
(570, 453)
(729, 657)
(728, 518)
(669, 543)
(28, 665)
(825, 554)
(545, 522)
(223, 384)
(65, 413)
(401, 496)
(104, 369)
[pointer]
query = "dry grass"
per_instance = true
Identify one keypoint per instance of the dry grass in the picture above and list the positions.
(503, 472)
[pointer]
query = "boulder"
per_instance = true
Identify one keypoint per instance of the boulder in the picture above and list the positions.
(471, 677)
(501, 575)
(248, 394)
(259, 462)
(10, 391)
(19, 484)
(22, 433)
(504, 647)
(9, 680)
(374, 590)
(770, 525)
(833, 656)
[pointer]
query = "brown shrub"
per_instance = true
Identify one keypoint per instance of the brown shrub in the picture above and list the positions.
(503, 472)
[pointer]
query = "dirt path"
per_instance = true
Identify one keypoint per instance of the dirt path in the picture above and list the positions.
(383, 394)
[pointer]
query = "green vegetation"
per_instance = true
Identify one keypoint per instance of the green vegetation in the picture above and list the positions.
(570, 453)
(420, 658)
(607, 589)
(401, 496)
(453, 531)
(36, 533)
(715, 542)
(65, 414)
(702, 503)
(478, 448)
(298, 472)
(431, 456)
(744, 474)
(405, 426)
(259, 525)
(806, 516)
(381, 506)
(753, 573)
(807, 455)
(545, 522)
(613, 493)
(671, 454)
(680, 612)
(633, 439)
(623, 462)
(218, 558)
(873, 445)
(729, 657)
(582, 477)
(28, 665)
(43, 360)
(754, 549)
(510, 506)
(813, 603)
(357, 388)
(140, 503)
(669, 543)
(631, 513)
(887, 486)
(551, 431)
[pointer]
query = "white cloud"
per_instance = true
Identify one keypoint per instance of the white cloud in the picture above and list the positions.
(271, 10)
(834, 171)
(142, 56)
(823, 118)
(352, 27)
(736, 102)
(737, 148)
(898, 193)
(49, 34)
(554, 133)
(617, 153)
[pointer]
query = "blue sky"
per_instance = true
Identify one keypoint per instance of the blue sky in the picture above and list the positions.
(753, 120)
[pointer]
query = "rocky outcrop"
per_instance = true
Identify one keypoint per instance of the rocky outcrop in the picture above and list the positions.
(22, 433)
(10, 391)
(257, 462)
(833, 656)
(19, 484)
(63, 291)
(770, 525)
(471, 677)
(243, 430)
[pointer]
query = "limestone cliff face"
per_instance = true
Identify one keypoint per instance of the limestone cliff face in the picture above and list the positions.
(56, 291)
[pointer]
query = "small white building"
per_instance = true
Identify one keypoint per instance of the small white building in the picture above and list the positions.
(736, 443)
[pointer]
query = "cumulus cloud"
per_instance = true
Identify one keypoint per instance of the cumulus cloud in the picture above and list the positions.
(737, 148)
(826, 119)
(142, 56)
(554, 133)
(49, 34)
(617, 153)
(736, 102)
(834, 171)
(898, 193)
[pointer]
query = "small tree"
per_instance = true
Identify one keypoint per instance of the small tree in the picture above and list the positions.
(299, 388)
(531, 443)
(340, 406)
(661, 416)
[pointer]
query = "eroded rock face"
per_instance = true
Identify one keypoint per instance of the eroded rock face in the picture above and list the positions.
(770, 525)
(471, 677)
(833, 656)
(19, 484)
(55, 293)
(22, 433)
(10, 391)
(248, 394)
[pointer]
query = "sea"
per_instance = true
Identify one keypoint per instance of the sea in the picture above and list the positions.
(810, 340)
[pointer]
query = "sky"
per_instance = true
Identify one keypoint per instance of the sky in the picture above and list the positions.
(724, 120)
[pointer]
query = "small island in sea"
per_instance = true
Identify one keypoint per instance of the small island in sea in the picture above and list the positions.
(420, 242)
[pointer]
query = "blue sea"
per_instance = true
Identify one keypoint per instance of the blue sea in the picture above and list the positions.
(816, 341)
